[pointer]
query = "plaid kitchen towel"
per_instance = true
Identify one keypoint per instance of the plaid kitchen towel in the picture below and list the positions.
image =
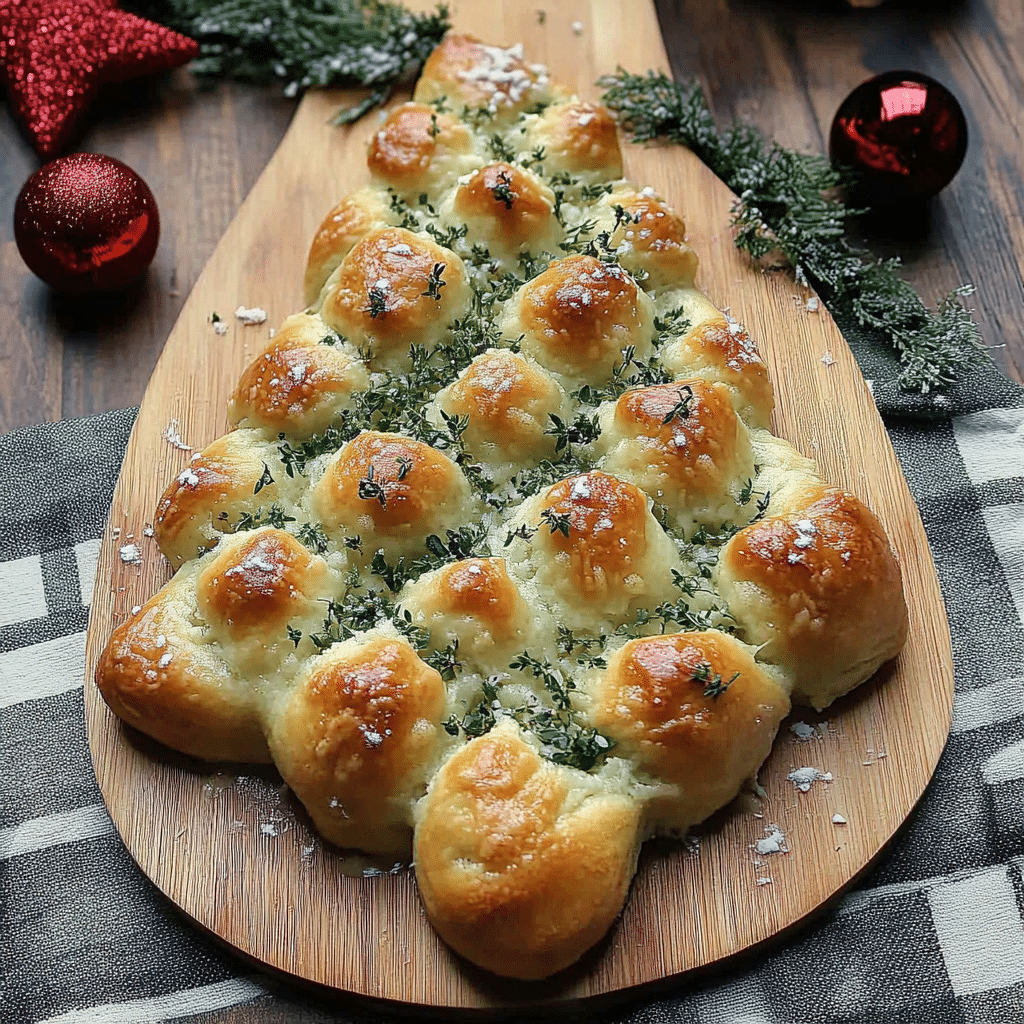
(935, 933)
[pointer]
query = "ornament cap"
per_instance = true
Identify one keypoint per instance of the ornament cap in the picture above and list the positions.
(903, 132)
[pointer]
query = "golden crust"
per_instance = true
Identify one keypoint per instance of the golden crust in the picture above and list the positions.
(380, 296)
(684, 445)
(214, 490)
(579, 137)
(579, 314)
(258, 583)
(464, 70)
(354, 740)
(652, 244)
(721, 349)
(509, 206)
(475, 603)
(352, 219)
(156, 674)
(657, 701)
(300, 382)
(509, 401)
(818, 589)
(393, 487)
(522, 865)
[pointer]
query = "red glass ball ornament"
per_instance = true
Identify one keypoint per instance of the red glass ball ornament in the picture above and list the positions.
(903, 132)
(86, 223)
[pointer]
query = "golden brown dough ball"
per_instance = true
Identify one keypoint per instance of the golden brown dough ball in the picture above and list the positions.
(469, 73)
(300, 382)
(257, 585)
(522, 864)
(651, 243)
(717, 348)
(159, 674)
(355, 738)
(597, 551)
(391, 491)
(393, 290)
(352, 219)
(215, 489)
(509, 207)
(693, 710)
(684, 445)
(509, 400)
(418, 150)
(578, 137)
(474, 602)
(817, 588)
(578, 315)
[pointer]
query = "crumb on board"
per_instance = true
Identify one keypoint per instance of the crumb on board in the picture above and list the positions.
(577, 28)
(828, 359)
(172, 435)
(130, 554)
(838, 819)
(774, 842)
(804, 778)
(803, 732)
(251, 317)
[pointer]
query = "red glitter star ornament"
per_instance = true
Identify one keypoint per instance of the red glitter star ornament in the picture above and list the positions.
(55, 54)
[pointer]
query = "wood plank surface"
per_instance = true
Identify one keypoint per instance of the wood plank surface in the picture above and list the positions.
(229, 848)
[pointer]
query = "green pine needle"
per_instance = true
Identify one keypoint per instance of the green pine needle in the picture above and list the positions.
(305, 43)
(787, 206)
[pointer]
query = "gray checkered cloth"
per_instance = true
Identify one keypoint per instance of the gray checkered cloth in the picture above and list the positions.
(935, 933)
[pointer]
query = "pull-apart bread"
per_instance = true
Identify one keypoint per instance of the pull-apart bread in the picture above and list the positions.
(500, 564)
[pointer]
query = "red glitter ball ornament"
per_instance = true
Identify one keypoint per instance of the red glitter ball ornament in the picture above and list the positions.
(903, 131)
(86, 223)
(55, 54)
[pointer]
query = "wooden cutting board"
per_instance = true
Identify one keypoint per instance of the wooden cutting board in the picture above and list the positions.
(229, 846)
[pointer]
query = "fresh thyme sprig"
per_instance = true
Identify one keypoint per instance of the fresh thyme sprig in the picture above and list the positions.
(787, 205)
(305, 43)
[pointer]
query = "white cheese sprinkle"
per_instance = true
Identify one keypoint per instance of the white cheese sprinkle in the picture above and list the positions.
(828, 360)
(172, 436)
(774, 842)
(812, 304)
(804, 778)
(250, 317)
(577, 28)
(131, 555)
(802, 731)
(838, 819)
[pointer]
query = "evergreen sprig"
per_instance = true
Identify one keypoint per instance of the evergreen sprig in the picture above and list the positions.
(787, 205)
(303, 43)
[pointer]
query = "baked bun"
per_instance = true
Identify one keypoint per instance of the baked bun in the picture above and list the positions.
(577, 317)
(649, 239)
(522, 864)
(509, 206)
(495, 503)
(351, 220)
(509, 401)
(395, 289)
(719, 349)
(253, 588)
(596, 552)
(577, 138)
(300, 382)
(391, 491)
(419, 151)
(818, 590)
(355, 738)
(684, 445)
(475, 605)
(464, 71)
(237, 475)
(161, 675)
(693, 710)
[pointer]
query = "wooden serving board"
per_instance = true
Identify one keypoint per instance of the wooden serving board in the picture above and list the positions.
(230, 848)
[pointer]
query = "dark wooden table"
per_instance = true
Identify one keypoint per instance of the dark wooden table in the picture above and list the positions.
(784, 65)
